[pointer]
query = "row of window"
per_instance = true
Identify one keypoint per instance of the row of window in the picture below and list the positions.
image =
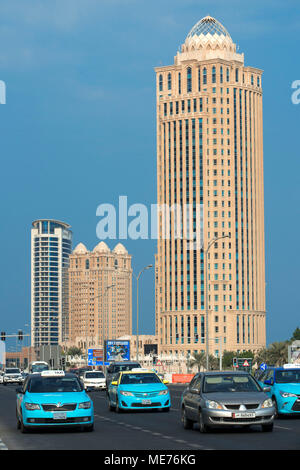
(204, 75)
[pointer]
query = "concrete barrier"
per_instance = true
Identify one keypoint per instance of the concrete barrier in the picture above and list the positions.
(182, 378)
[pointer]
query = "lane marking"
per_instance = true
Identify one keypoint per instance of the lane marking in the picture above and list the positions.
(155, 434)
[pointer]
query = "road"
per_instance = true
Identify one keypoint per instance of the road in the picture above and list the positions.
(144, 430)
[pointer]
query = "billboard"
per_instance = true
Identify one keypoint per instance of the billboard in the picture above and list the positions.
(117, 350)
(95, 357)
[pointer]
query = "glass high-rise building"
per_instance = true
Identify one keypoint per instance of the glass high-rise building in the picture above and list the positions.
(210, 156)
(51, 246)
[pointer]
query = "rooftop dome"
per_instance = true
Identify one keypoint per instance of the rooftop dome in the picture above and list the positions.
(80, 249)
(120, 249)
(208, 40)
(208, 25)
(101, 247)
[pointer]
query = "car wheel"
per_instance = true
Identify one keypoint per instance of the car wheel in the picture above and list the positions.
(118, 409)
(110, 406)
(276, 407)
(202, 426)
(267, 427)
(186, 422)
(22, 427)
(88, 428)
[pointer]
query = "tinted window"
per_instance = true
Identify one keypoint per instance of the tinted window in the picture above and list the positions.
(123, 367)
(287, 376)
(53, 385)
(94, 375)
(12, 371)
(230, 383)
(136, 379)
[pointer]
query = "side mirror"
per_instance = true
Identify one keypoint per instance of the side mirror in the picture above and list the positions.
(19, 390)
(114, 383)
(165, 382)
(269, 382)
(266, 389)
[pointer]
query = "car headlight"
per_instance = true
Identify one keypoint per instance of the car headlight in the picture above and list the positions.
(126, 394)
(267, 403)
(32, 406)
(85, 405)
(214, 405)
(286, 394)
(164, 392)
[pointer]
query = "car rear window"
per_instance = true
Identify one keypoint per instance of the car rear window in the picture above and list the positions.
(94, 375)
(230, 383)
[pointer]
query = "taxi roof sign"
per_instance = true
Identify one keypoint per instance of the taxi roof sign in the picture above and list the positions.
(291, 366)
(52, 373)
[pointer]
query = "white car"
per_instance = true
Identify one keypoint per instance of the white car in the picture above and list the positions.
(93, 380)
(12, 375)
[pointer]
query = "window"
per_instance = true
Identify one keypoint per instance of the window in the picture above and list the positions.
(204, 75)
(160, 83)
(189, 79)
(169, 81)
(213, 75)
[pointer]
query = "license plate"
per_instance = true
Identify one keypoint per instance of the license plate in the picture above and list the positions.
(146, 402)
(59, 415)
(243, 415)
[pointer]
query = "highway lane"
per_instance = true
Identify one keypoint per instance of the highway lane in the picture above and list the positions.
(145, 430)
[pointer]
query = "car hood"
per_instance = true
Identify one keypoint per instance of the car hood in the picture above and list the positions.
(143, 387)
(236, 397)
(67, 397)
(290, 388)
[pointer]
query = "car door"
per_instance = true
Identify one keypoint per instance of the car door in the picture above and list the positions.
(191, 399)
(113, 389)
(268, 381)
(20, 397)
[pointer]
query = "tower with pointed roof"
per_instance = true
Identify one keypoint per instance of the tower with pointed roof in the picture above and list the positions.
(210, 154)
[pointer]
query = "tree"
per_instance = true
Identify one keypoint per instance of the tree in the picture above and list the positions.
(278, 353)
(296, 335)
(198, 360)
(74, 351)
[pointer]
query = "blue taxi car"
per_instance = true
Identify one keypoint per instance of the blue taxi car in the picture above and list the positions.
(53, 398)
(284, 383)
(138, 389)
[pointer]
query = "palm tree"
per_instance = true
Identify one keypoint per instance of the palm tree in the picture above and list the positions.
(198, 359)
(278, 353)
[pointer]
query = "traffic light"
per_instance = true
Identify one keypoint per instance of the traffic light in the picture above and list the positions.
(63, 361)
(3, 335)
(20, 335)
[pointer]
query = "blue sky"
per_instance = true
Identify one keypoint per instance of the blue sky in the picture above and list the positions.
(78, 128)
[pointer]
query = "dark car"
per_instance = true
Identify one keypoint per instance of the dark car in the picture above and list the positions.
(116, 367)
(218, 399)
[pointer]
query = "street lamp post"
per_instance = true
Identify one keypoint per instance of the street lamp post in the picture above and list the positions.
(210, 244)
(137, 307)
(104, 321)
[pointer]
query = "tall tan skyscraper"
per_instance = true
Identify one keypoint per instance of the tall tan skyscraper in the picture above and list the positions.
(100, 289)
(210, 155)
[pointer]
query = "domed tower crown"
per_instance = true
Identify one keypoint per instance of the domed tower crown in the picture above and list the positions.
(208, 39)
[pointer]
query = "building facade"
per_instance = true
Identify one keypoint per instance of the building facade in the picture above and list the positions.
(51, 246)
(210, 159)
(100, 295)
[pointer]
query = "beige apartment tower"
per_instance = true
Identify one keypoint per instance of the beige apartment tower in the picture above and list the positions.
(210, 156)
(100, 295)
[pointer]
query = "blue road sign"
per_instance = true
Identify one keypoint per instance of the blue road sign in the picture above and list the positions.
(263, 366)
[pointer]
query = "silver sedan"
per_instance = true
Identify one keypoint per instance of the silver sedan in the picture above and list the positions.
(215, 399)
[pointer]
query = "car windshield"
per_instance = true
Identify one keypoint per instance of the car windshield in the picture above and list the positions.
(123, 367)
(53, 385)
(94, 375)
(39, 367)
(287, 376)
(230, 383)
(12, 371)
(139, 379)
